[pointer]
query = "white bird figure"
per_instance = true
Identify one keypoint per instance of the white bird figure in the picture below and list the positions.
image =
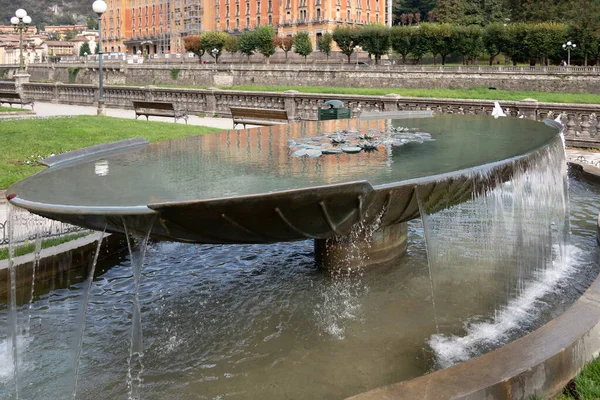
(521, 116)
(558, 119)
(497, 111)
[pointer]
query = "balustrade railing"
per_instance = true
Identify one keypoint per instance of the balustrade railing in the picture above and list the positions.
(581, 121)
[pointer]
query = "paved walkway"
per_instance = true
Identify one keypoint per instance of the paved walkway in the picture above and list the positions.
(50, 110)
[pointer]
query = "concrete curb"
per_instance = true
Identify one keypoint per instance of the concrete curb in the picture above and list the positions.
(540, 363)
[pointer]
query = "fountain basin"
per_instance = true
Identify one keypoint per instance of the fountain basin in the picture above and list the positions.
(247, 186)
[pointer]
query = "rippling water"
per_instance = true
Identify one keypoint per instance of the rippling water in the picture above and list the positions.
(261, 321)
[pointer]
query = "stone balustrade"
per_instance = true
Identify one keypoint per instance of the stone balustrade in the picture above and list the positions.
(582, 121)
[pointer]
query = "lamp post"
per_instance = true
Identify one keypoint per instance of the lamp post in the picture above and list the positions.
(568, 46)
(21, 23)
(357, 48)
(215, 52)
(99, 8)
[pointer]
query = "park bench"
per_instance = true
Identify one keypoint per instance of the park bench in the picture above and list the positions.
(14, 98)
(258, 116)
(158, 109)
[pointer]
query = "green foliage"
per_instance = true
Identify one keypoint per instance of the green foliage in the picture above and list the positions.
(231, 44)
(588, 382)
(495, 39)
(438, 39)
(324, 43)
(375, 39)
(449, 11)
(402, 40)
(47, 136)
(46, 243)
(346, 39)
(212, 41)
(468, 41)
(472, 13)
(263, 37)
(247, 44)
(73, 71)
(175, 73)
(302, 44)
(85, 49)
(91, 23)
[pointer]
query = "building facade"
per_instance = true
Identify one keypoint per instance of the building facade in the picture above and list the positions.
(158, 26)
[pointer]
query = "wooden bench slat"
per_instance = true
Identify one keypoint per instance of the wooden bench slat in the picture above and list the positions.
(158, 109)
(257, 116)
(14, 98)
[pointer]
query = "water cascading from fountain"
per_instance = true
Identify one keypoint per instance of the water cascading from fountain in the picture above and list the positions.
(83, 312)
(137, 243)
(509, 238)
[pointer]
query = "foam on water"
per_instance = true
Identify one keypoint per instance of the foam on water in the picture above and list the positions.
(453, 349)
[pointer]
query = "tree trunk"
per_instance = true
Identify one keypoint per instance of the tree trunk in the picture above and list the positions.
(403, 59)
(349, 57)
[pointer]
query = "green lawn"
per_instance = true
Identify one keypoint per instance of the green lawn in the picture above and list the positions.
(24, 142)
(46, 243)
(8, 109)
(475, 93)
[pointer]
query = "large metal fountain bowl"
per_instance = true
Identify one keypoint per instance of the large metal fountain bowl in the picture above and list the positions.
(261, 185)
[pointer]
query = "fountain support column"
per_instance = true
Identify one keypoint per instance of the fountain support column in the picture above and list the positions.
(363, 248)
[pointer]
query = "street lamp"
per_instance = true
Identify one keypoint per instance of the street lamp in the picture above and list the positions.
(21, 23)
(568, 46)
(357, 48)
(99, 8)
(215, 52)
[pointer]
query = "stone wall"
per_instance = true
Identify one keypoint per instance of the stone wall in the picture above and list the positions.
(539, 79)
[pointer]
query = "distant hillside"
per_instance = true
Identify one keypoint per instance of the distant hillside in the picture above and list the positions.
(48, 12)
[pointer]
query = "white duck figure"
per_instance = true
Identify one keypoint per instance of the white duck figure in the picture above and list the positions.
(498, 111)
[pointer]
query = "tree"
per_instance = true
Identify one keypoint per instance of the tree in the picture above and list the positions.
(263, 37)
(401, 40)
(495, 39)
(231, 44)
(468, 41)
(284, 43)
(584, 28)
(439, 39)
(213, 43)
(247, 44)
(193, 44)
(84, 50)
(324, 43)
(493, 11)
(92, 23)
(302, 44)
(346, 39)
(472, 13)
(375, 39)
(449, 11)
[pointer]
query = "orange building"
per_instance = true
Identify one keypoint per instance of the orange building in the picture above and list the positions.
(158, 26)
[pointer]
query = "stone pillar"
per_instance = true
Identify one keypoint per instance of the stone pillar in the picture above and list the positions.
(20, 79)
(362, 249)
(289, 100)
(211, 102)
(528, 108)
(390, 102)
(56, 93)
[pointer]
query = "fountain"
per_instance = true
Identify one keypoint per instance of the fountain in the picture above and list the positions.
(253, 317)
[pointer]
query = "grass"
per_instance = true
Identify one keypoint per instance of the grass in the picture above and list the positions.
(25, 142)
(8, 109)
(479, 93)
(46, 243)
